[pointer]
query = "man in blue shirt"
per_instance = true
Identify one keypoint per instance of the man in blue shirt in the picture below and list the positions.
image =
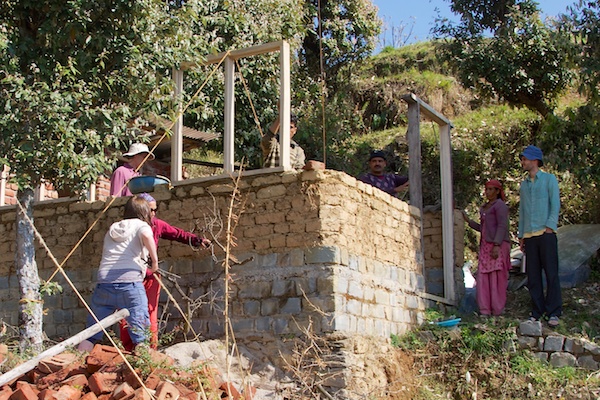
(538, 220)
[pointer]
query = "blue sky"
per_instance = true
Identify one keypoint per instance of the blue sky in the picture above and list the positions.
(398, 13)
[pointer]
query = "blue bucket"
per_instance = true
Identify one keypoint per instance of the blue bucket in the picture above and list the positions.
(146, 184)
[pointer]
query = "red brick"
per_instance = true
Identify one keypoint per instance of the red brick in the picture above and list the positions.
(6, 392)
(213, 378)
(47, 394)
(103, 356)
(230, 390)
(139, 394)
(123, 390)
(67, 392)
(130, 378)
(89, 396)
(157, 376)
(185, 392)
(103, 382)
(249, 391)
(79, 381)
(167, 391)
(56, 363)
(59, 376)
(24, 392)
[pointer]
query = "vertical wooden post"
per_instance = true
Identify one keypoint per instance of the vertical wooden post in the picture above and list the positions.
(447, 211)
(415, 186)
(284, 106)
(228, 140)
(177, 139)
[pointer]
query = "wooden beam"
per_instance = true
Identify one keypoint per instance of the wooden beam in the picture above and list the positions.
(427, 110)
(59, 348)
(237, 54)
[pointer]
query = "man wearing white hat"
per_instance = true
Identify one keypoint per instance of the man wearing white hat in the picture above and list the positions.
(135, 156)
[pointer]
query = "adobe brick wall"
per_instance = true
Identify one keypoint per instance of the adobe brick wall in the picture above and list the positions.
(311, 240)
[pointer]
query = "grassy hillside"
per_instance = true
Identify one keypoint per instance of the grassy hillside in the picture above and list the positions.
(487, 136)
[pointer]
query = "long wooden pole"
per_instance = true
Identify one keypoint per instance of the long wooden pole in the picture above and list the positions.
(59, 348)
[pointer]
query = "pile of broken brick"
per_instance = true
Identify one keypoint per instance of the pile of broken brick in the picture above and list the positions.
(105, 376)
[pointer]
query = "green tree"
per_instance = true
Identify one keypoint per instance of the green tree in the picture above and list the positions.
(73, 76)
(582, 24)
(503, 49)
(345, 30)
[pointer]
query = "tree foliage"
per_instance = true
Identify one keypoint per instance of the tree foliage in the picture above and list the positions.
(582, 24)
(74, 76)
(503, 49)
(348, 31)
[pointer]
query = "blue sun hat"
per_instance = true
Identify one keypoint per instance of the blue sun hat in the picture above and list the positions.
(532, 152)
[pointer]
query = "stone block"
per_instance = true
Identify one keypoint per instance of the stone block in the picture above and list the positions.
(252, 308)
(355, 289)
(292, 306)
(530, 328)
(554, 343)
(562, 359)
(281, 325)
(323, 255)
(540, 355)
(283, 288)
(574, 346)
(588, 362)
(591, 348)
(527, 342)
(269, 307)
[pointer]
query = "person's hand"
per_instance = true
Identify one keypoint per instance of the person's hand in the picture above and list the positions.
(401, 188)
(154, 266)
(465, 216)
(495, 251)
(201, 242)
(522, 245)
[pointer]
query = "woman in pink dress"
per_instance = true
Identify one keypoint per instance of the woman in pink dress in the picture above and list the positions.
(494, 251)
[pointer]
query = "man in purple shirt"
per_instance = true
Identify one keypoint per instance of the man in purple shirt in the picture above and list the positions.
(135, 156)
(389, 183)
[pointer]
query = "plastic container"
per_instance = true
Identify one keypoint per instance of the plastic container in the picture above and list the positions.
(449, 322)
(146, 184)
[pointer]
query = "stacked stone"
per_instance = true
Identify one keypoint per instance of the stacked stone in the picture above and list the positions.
(558, 350)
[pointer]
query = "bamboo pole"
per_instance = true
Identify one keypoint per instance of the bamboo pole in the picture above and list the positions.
(59, 348)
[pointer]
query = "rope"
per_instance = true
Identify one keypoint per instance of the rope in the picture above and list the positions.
(256, 121)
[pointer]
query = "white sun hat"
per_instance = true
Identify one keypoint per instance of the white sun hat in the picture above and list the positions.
(138, 148)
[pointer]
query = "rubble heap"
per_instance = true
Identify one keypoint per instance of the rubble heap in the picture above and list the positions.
(104, 375)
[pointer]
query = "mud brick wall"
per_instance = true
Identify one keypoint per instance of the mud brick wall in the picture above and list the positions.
(433, 253)
(316, 249)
